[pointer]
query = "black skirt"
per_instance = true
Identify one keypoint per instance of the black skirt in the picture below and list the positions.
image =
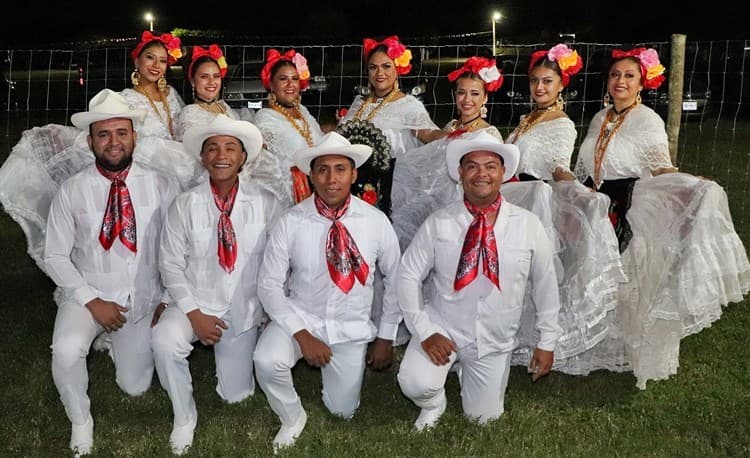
(620, 193)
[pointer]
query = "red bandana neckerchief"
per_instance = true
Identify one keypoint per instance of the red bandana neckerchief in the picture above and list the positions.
(227, 239)
(345, 262)
(479, 241)
(119, 215)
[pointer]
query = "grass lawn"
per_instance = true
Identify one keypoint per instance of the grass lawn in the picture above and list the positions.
(702, 411)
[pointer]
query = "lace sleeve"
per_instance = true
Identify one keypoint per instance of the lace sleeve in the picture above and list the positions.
(651, 140)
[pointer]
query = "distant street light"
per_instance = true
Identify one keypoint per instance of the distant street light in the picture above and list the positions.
(150, 18)
(496, 16)
(568, 35)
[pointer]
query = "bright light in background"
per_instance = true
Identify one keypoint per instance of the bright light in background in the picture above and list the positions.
(496, 16)
(150, 18)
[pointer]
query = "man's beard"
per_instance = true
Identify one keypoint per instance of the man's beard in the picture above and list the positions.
(114, 166)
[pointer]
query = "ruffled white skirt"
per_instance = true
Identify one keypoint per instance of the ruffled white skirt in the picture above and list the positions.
(46, 156)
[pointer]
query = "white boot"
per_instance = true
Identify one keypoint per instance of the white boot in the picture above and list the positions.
(428, 417)
(182, 437)
(288, 434)
(82, 437)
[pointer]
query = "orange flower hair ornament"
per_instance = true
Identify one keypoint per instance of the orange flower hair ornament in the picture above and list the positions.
(169, 41)
(485, 68)
(300, 63)
(567, 59)
(214, 52)
(652, 70)
(400, 55)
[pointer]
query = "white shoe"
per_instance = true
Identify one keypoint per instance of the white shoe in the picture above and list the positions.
(182, 437)
(287, 435)
(82, 437)
(428, 417)
(103, 342)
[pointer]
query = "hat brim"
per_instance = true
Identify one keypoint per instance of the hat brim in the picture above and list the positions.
(245, 131)
(84, 119)
(458, 148)
(358, 153)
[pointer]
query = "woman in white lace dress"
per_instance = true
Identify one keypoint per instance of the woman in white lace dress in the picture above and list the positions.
(287, 126)
(589, 269)
(45, 156)
(680, 251)
(206, 73)
(431, 187)
(401, 118)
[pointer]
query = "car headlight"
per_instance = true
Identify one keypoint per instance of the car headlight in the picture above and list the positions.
(418, 89)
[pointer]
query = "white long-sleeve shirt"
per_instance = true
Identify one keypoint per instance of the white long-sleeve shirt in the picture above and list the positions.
(189, 262)
(296, 248)
(480, 313)
(75, 259)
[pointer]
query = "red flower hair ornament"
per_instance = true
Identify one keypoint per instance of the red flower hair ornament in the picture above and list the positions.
(300, 63)
(567, 59)
(485, 68)
(400, 55)
(214, 52)
(171, 42)
(652, 71)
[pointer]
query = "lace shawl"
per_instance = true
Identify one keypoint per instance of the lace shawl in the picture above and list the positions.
(193, 115)
(155, 124)
(546, 146)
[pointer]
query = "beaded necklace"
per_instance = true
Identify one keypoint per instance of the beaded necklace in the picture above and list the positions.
(611, 124)
(529, 121)
(212, 107)
(457, 127)
(293, 117)
(380, 104)
(163, 100)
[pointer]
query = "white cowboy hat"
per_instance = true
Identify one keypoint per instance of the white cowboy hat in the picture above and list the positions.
(332, 143)
(481, 141)
(222, 124)
(107, 104)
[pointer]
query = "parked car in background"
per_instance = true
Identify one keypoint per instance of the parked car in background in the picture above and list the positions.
(244, 89)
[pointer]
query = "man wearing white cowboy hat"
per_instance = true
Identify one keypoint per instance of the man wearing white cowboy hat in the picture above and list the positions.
(211, 249)
(483, 253)
(101, 250)
(329, 245)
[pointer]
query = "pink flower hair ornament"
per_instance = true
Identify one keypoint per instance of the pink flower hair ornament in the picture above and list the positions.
(170, 42)
(400, 55)
(567, 59)
(485, 68)
(652, 71)
(300, 63)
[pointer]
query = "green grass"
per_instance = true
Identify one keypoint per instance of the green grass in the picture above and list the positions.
(703, 411)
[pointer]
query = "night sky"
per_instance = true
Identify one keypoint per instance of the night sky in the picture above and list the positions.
(290, 21)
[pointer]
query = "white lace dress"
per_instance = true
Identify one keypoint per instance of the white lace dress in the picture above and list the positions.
(272, 169)
(588, 264)
(398, 120)
(684, 261)
(193, 115)
(45, 156)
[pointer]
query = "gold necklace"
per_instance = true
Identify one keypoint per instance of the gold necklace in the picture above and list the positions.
(380, 104)
(610, 125)
(163, 100)
(304, 130)
(529, 121)
(212, 107)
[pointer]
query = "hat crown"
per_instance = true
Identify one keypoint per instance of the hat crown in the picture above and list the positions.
(108, 101)
(332, 140)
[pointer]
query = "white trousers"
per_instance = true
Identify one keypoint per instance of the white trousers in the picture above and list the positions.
(172, 341)
(276, 354)
(483, 380)
(75, 329)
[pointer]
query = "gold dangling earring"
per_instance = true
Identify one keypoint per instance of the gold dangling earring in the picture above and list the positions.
(606, 100)
(395, 85)
(483, 112)
(161, 83)
(135, 78)
(271, 98)
(638, 98)
(560, 102)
